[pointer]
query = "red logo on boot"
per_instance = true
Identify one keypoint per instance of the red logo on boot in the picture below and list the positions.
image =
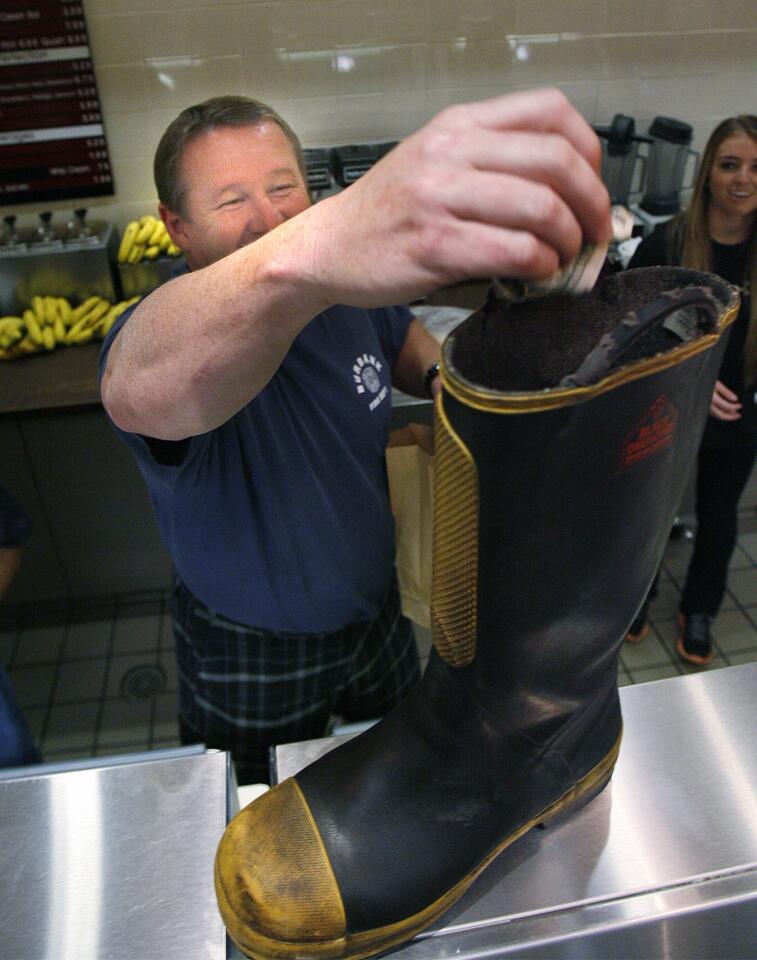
(653, 433)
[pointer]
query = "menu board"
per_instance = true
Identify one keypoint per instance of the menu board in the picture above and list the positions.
(52, 142)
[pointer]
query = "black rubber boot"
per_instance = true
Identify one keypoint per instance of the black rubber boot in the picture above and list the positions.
(566, 429)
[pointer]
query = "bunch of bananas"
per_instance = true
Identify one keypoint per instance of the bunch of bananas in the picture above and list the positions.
(52, 321)
(146, 239)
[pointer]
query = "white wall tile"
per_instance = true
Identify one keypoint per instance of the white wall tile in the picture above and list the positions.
(117, 38)
(401, 21)
(473, 20)
(121, 87)
(615, 96)
(130, 135)
(376, 69)
(551, 16)
(556, 60)
(470, 63)
(260, 29)
(214, 33)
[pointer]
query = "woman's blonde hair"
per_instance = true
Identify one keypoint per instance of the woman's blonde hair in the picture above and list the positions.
(690, 234)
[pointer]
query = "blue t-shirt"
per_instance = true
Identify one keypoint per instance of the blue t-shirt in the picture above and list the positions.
(280, 518)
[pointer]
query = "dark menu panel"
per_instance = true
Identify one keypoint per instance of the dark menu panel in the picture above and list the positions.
(52, 142)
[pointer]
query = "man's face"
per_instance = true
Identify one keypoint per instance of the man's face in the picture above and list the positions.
(240, 182)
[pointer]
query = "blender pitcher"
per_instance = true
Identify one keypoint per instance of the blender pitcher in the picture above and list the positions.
(666, 165)
(620, 154)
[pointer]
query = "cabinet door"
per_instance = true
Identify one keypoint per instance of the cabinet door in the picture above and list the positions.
(96, 503)
(41, 576)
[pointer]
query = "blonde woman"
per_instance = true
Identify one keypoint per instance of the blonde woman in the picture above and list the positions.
(717, 233)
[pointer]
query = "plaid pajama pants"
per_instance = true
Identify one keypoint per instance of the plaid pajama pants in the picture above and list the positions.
(244, 690)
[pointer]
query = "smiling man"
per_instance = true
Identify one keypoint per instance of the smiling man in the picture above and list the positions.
(255, 390)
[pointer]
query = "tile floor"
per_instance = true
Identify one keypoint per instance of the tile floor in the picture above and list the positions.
(98, 678)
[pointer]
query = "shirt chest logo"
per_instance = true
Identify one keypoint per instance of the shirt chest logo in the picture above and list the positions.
(365, 373)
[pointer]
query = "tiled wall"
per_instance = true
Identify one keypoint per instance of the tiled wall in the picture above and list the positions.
(344, 71)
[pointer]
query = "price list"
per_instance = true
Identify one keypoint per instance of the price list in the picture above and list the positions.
(52, 142)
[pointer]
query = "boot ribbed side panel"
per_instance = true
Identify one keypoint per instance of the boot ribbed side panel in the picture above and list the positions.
(455, 551)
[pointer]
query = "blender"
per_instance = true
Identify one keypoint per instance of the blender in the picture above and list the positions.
(620, 155)
(666, 165)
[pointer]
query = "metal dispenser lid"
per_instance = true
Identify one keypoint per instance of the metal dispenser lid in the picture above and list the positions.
(667, 128)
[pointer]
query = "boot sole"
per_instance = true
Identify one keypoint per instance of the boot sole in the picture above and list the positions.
(359, 946)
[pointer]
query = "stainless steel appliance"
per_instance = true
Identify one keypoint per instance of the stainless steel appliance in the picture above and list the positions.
(666, 166)
(622, 164)
(73, 260)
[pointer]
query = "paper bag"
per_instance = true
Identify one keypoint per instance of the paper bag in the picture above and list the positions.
(411, 481)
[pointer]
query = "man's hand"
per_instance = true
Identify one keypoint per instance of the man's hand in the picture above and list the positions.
(725, 405)
(503, 187)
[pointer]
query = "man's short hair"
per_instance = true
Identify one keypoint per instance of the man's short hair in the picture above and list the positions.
(217, 112)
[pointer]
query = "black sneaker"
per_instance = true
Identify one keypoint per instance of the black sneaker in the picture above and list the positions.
(695, 643)
(639, 628)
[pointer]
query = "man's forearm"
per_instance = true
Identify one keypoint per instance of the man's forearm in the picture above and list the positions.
(200, 347)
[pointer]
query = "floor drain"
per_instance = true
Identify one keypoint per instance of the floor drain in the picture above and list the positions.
(143, 682)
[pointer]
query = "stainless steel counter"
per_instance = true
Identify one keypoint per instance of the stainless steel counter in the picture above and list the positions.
(113, 862)
(662, 864)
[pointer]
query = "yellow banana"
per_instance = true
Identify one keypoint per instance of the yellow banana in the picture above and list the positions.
(83, 336)
(106, 322)
(146, 226)
(64, 309)
(173, 250)
(19, 349)
(127, 240)
(151, 253)
(157, 234)
(12, 325)
(84, 308)
(48, 338)
(98, 311)
(59, 329)
(136, 253)
(113, 314)
(32, 325)
(165, 241)
(51, 310)
(88, 321)
(38, 306)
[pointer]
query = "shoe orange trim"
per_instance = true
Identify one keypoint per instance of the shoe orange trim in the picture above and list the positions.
(684, 653)
(638, 637)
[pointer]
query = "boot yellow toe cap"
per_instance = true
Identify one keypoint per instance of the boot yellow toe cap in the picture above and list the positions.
(275, 885)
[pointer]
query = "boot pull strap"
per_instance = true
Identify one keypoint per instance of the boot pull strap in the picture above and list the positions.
(616, 343)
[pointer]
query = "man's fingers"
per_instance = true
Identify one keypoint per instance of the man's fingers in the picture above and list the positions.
(503, 200)
(540, 159)
(466, 248)
(549, 112)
